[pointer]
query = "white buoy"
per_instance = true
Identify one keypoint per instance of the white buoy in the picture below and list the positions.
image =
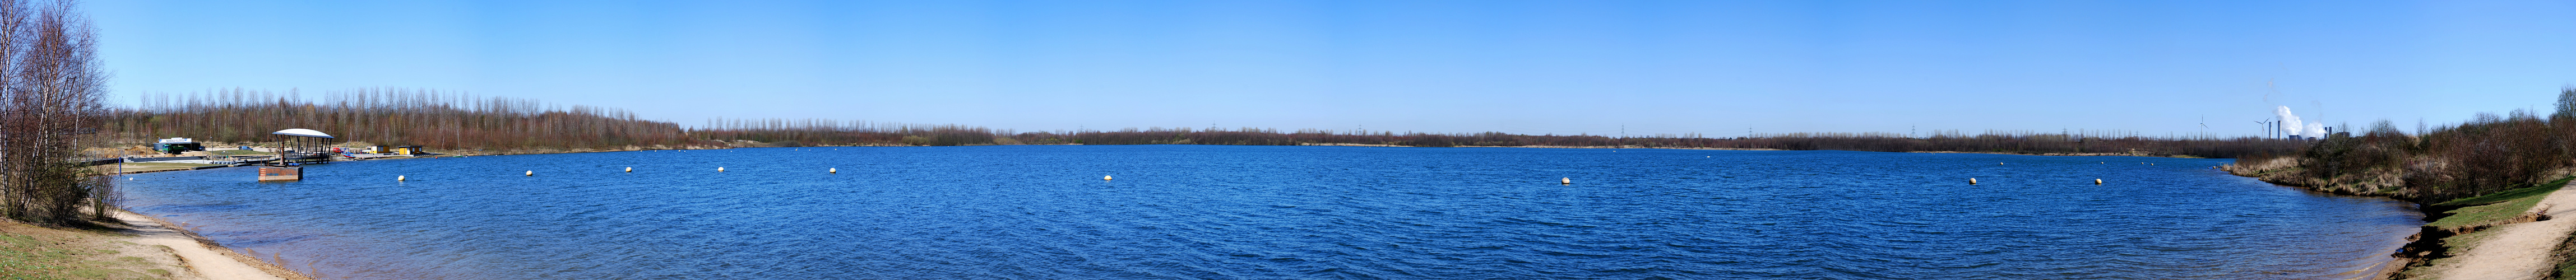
(1104, 177)
(1565, 181)
(630, 169)
(836, 170)
(532, 173)
(1972, 181)
(719, 169)
(2097, 181)
(399, 178)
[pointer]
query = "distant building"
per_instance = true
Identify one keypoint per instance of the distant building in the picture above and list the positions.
(177, 145)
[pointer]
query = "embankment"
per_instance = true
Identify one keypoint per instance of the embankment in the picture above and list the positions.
(2477, 238)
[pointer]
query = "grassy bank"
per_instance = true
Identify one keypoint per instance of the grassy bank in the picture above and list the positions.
(2511, 206)
(87, 252)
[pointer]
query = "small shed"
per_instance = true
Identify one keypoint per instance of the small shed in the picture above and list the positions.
(409, 150)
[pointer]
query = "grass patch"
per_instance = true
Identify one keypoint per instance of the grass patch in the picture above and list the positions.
(2566, 267)
(237, 152)
(2491, 208)
(32, 252)
(39, 257)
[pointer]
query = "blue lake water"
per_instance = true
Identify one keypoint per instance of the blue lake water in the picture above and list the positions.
(1267, 212)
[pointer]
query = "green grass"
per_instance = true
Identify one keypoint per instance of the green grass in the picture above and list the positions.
(2491, 208)
(28, 257)
(237, 152)
(30, 252)
(2567, 267)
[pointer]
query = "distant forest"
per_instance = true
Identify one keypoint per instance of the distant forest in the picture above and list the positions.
(455, 121)
(831, 133)
(392, 116)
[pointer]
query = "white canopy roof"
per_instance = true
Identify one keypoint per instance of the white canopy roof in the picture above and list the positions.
(302, 132)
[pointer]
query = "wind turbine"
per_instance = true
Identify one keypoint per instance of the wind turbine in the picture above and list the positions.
(2267, 128)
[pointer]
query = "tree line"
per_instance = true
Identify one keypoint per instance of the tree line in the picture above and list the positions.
(392, 116)
(449, 120)
(834, 133)
(2488, 153)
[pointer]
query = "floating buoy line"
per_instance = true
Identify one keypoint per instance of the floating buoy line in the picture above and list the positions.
(1559, 180)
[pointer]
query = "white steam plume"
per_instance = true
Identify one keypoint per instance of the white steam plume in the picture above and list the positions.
(2316, 129)
(2290, 123)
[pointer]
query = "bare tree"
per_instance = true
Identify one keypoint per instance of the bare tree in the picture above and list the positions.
(51, 91)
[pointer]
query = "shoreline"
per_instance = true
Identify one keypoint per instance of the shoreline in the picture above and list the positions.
(749, 144)
(202, 256)
(1760, 149)
(2500, 248)
(2400, 260)
(124, 245)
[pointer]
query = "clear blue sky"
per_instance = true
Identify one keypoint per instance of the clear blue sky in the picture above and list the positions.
(1561, 67)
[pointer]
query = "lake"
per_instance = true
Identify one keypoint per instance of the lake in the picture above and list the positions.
(1270, 212)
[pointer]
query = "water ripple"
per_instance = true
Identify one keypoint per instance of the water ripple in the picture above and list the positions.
(1232, 212)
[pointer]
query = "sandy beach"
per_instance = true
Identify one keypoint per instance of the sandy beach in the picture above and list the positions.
(131, 246)
(201, 257)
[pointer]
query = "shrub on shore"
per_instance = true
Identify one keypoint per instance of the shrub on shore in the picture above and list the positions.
(2488, 153)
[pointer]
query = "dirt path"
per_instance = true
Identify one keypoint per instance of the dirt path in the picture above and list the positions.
(210, 263)
(2519, 251)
